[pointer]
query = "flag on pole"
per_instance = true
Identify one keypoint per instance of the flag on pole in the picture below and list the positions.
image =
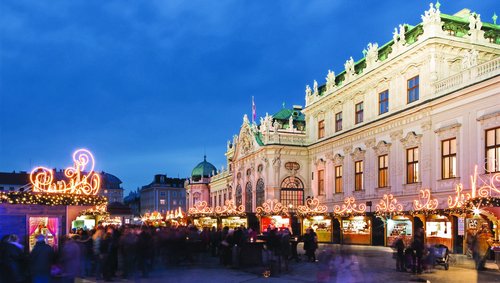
(254, 111)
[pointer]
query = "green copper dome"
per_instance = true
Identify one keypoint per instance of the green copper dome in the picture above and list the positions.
(203, 169)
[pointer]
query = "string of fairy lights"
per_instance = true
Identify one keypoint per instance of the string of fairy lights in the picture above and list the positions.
(51, 199)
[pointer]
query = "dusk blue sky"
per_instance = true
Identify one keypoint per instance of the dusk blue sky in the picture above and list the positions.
(151, 86)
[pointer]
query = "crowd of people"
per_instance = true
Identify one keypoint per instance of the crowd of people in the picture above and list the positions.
(105, 253)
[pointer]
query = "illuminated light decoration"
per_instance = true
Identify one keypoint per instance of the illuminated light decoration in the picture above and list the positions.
(201, 208)
(271, 207)
(428, 203)
(388, 204)
(230, 209)
(349, 207)
(460, 199)
(98, 210)
(174, 214)
(52, 199)
(488, 185)
(154, 216)
(42, 178)
(311, 208)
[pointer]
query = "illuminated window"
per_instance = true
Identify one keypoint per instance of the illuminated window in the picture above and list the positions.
(449, 158)
(338, 179)
(412, 165)
(292, 192)
(338, 122)
(359, 112)
(383, 171)
(493, 150)
(239, 195)
(358, 175)
(321, 129)
(413, 89)
(162, 201)
(383, 102)
(321, 182)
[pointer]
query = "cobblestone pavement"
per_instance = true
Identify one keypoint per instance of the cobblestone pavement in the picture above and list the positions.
(335, 264)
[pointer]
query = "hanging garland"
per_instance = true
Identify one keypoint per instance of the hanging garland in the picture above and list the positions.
(51, 199)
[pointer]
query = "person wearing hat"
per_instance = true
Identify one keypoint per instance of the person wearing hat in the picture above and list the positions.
(41, 259)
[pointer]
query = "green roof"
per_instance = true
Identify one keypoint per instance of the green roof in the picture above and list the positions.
(284, 114)
(203, 169)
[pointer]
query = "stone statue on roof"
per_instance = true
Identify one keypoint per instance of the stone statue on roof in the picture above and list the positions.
(330, 80)
(349, 67)
(371, 54)
(308, 90)
(432, 15)
(290, 123)
(402, 31)
(475, 22)
(245, 119)
(315, 88)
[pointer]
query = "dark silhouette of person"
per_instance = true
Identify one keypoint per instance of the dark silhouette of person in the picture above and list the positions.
(41, 259)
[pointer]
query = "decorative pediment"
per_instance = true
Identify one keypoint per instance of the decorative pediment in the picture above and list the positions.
(382, 148)
(338, 159)
(358, 154)
(370, 143)
(246, 139)
(411, 140)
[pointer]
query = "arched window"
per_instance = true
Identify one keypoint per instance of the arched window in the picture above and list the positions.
(292, 193)
(196, 198)
(230, 193)
(238, 195)
(260, 197)
(248, 197)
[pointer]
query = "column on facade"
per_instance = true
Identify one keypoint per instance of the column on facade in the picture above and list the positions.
(427, 148)
(348, 168)
(329, 178)
(371, 168)
(276, 172)
(396, 163)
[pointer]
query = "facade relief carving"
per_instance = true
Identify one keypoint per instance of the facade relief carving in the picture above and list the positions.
(425, 126)
(347, 150)
(382, 148)
(358, 154)
(338, 159)
(469, 59)
(396, 135)
(411, 140)
(370, 143)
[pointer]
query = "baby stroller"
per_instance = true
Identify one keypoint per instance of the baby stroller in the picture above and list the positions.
(442, 255)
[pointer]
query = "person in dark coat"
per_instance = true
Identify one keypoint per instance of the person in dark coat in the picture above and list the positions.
(14, 260)
(310, 244)
(400, 257)
(41, 259)
(418, 247)
(70, 260)
(286, 250)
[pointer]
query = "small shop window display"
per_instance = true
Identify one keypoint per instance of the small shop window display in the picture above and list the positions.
(273, 214)
(231, 215)
(316, 216)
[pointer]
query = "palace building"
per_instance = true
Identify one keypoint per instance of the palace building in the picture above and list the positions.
(415, 114)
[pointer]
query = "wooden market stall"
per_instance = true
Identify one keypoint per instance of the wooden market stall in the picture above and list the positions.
(356, 227)
(316, 216)
(273, 214)
(48, 206)
(231, 216)
(202, 215)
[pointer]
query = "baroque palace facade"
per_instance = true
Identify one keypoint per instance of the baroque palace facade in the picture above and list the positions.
(417, 112)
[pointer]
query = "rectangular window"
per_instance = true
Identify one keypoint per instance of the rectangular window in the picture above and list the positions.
(338, 179)
(492, 150)
(383, 102)
(412, 165)
(220, 200)
(338, 122)
(358, 175)
(383, 171)
(321, 182)
(449, 158)
(162, 194)
(359, 112)
(321, 129)
(412, 89)
(162, 201)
